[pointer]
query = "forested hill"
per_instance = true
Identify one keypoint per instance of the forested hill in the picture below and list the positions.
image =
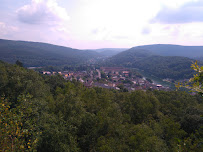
(174, 50)
(108, 52)
(174, 67)
(42, 54)
(48, 114)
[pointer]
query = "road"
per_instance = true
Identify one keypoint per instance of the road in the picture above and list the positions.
(99, 73)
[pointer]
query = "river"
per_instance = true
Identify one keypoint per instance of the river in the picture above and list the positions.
(155, 79)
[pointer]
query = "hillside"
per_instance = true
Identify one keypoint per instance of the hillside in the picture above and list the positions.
(49, 114)
(129, 56)
(42, 54)
(174, 67)
(108, 52)
(174, 50)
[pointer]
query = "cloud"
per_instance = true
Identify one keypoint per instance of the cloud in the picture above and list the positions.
(146, 30)
(42, 12)
(190, 12)
(6, 30)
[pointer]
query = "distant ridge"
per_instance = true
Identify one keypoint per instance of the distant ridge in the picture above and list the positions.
(42, 54)
(173, 50)
(108, 52)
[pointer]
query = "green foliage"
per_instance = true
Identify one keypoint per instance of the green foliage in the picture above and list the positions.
(17, 80)
(195, 83)
(103, 75)
(17, 132)
(19, 63)
(197, 80)
(52, 114)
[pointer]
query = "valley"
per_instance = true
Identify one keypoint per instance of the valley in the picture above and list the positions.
(101, 76)
(147, 60)
(118, 78)
(64, 99)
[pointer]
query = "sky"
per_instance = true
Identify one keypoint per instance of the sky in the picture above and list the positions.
(92, 24)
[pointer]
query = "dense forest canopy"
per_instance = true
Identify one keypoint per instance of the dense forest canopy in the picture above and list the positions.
(47, 113)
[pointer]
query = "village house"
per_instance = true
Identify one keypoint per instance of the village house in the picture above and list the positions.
(126, 73)
(112, 70)
(46, 72)
(111, 84)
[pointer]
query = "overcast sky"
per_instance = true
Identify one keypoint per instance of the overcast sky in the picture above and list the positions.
(87, 24)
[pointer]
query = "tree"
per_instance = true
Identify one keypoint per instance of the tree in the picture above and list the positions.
(19, 63)
(103, 75)
(195, 83)
(148, 79)
(197, 80)
(17, 132)
(194, 142)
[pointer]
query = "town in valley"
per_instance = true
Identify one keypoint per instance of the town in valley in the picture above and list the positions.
(118, 78)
